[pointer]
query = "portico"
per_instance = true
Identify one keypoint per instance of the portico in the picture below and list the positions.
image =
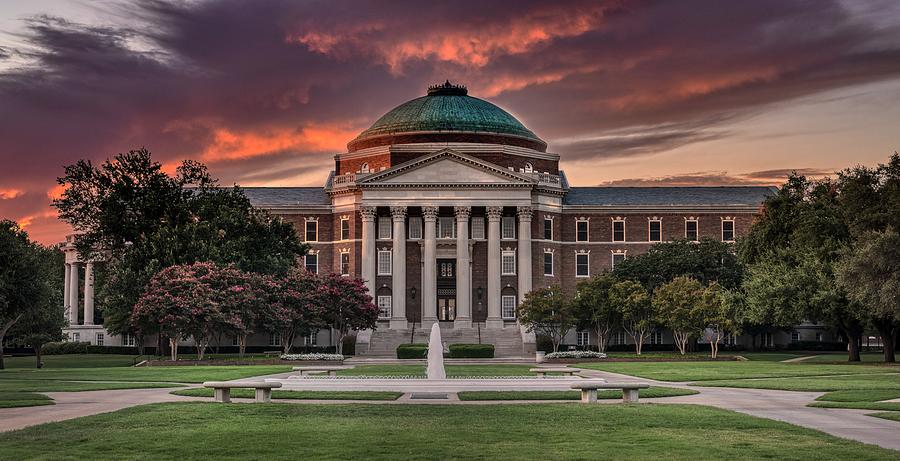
(81, 328)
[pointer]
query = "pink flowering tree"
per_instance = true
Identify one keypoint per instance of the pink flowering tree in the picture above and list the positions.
(242, 301)
(295, 309)
(179, 303)
(346, 305)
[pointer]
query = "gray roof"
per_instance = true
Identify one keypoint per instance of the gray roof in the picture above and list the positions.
(669, 196)
(286, 196)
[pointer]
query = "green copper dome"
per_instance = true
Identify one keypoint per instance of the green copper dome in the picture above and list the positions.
(447, 114)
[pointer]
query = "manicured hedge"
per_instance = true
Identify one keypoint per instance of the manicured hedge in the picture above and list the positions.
(72, 347)
(412, 351)
(471, 351)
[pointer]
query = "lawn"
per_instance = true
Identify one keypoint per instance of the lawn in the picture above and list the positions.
(841, 357)
(888, 381)
(179, 374)
(892, 415)
(186, 431)
(707, 371)
(650, 393)
(452, 370)
(23, 399)
(770, 356)
(75, 361)
(298, 395)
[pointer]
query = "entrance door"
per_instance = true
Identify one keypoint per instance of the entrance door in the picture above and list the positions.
(446, 290)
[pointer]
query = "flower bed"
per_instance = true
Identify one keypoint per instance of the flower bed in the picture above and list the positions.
(575, 355)
(317, 357)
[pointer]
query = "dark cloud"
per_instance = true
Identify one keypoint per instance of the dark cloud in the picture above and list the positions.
(722, 178)
(264, 91)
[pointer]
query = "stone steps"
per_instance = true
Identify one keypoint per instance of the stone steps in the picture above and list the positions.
(507, 341)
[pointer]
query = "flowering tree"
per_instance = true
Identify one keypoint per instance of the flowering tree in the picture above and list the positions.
(294, 309)
(242, 301)
(185, 301)
(346, 305)
(547, 312)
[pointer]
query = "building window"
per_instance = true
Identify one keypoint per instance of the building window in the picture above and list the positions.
(582, 265)
(548, 229)
(310, 339)
(345, 263)
(582, 338)
(617, 258)
(415, 228)
(795, 336)
(768, 339)
(581, 230)
(99, 339)
(384, 307)
(364, 168)
(819, 336)
(728, 230)
(384, 228)
(729, 340)
(656, 337)
(312, 231)
(76, 337)
(618, 231)
(548, 263)
(446, 227)
(274, 340)
(619, 338)
(128, 340)
(384, 262)
(345, 228)
(690, 230)
(311, 261)
(656, 231)
(508, 263)
(234, 341)
(478, 228)
(508, 228)
(508, 306)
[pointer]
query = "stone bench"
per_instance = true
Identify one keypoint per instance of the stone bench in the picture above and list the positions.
(542, 371)
(223, 389)
(588, 389)
(330, 369)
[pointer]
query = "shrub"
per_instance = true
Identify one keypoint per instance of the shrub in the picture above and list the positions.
(543, 343)
(349, 345)
(313, 357)
(71, 347)
(471, 351)
(575, 355)
(412, 351)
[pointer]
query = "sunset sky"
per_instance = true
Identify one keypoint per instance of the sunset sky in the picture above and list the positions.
(266, 92)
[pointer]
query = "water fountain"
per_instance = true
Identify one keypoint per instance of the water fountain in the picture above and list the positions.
(435, 369)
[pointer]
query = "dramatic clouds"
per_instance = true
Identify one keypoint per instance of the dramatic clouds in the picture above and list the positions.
(267, 92)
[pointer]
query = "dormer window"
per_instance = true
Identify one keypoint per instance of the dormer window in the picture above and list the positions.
(529, 168)
(364, 168)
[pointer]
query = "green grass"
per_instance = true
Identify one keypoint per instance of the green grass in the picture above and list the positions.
(892, 415)
(186, 431)
(886, 406)
(452, 370)
(74, 361)
(23, 399)
(650, 393)
(770, 356)
(841, 357)
(657, 355)
(706, 371)
(179, 374)
(815, 383)
(871, 395)
(298, 395)
(37, 385)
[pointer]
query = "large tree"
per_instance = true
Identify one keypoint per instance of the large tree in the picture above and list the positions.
(870, 273)
(296, 307)
(718, 316)
(30, 292)
(142, 220)
(346, 305)
(678, 305)
(707, 261)
(594, 310)
(547, 312)
(633, 304)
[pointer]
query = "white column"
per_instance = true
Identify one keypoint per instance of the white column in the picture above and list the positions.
(73, 294)
(429, 268)
(66, 289)
(524, 256)
(494, 214)
(463, 269)
(367, 271)
(89, 293)
(398, 272)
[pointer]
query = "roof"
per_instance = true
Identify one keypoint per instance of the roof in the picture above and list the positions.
(669, 196)
(286, 196)
(446, 108)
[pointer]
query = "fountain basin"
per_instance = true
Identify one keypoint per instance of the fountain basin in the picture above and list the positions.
(408, 385)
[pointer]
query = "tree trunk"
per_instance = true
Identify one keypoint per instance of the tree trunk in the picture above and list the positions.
(339, 347)
(3, 338)
(37, 355)
(173, 349)
(886, 331)
(853, 340)
(753, 342)
(680, 340)
(2, 365)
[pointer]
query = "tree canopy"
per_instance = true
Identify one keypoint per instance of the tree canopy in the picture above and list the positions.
(707, 261)
(547, 312)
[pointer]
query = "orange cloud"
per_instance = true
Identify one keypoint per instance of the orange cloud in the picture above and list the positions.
(700, 86)
(9, 194)
(56, 192)
(232, 145)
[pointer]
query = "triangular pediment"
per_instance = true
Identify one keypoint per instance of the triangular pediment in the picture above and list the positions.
(446, 167)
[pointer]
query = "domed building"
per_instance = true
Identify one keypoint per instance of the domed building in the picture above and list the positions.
(451, 210)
